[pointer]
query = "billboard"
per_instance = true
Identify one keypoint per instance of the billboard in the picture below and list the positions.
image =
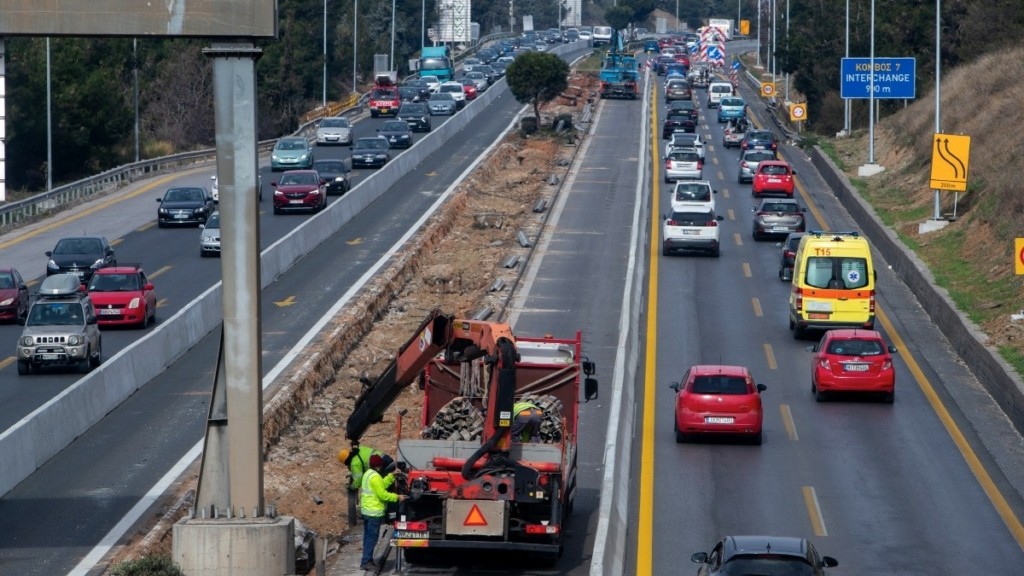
(196, 18)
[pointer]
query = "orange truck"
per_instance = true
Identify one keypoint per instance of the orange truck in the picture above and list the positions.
(384, 98)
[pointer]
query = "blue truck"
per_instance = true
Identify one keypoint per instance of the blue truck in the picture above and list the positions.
(620, 74)
(437, 61)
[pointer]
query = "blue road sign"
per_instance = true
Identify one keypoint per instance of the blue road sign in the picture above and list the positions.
(895, 78)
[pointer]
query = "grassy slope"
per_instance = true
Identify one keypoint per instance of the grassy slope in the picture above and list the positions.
(973, 257)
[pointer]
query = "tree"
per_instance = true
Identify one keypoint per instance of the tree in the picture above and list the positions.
(537, 77)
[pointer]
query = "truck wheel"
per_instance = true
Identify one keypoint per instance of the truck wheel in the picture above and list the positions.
(24, 368)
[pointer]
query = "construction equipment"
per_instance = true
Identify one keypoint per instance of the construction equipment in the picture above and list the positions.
(620, 74)
(470, 485)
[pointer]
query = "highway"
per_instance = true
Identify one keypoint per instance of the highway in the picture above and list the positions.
(886, 489)
(49, 522)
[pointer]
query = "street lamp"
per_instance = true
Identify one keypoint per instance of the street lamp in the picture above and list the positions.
(355, 45)
(324, 103)
(49, 124)
(846, 102)
(393, 16)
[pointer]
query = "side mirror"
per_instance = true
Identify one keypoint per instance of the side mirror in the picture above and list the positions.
(274, 184)
(90, 320)
(589, 368)
(159, 200)
(802, 209)
(590, 389)
(720, 218)
(812, 348)
(892, 349)
(699, 558)
(49, 253)
(714, 191)
(761, 388)
(674, 386)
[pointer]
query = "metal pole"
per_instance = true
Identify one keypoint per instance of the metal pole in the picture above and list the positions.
(355, 45)
(393, 16)
(739, 13)
(871, 91)
(3, 115)
(787, 51)
(135, 73)
(938, 88)
(759, 33)
(677, 15)
(423, 23)
(775, 41)
(324, 102)
(49, 124)
(846, 102)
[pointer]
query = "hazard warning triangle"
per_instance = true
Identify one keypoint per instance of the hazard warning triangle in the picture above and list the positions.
(475, 517)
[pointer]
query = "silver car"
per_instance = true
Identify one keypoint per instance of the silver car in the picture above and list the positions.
(749, 160)
(334, 130)
(209, 238)
(479, 79)
(441, 103)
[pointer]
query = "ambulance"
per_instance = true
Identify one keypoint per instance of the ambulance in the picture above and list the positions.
(833, 283)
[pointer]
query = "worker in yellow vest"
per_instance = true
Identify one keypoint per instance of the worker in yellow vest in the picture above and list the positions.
(374, 498)
(526, 426)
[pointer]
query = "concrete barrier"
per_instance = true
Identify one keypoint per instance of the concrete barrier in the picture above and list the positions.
(50, 428)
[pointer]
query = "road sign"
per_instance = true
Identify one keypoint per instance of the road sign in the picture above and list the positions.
(1018, 252)
(767, 89)
(797, 112)
(895, 78)
(951, 155)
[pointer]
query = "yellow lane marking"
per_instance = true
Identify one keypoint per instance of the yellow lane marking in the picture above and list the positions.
(725, 192)
(7, 362)
(289, 301)
(769, 355)
(977, 468)
(354, 241)
(96, 208)
(146, 226)
(645, 530)
(814, 511)
(788, 422)
(737, 238)
(746, 268)
(160, 271)
(732, 215)
(757, 307)
(161, 303)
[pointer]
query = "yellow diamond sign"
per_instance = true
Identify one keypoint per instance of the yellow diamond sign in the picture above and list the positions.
(951, 155)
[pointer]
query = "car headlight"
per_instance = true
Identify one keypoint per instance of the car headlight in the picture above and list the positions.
(339, 179)
(275, 157)
(304, 156)
(135, 303)
(381, 156)
(27, 341)
(7, 302)
(201, 210)
(52, 265)
(74, 340)
(162, 211)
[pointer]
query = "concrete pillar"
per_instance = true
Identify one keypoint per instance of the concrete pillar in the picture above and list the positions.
(239, 547)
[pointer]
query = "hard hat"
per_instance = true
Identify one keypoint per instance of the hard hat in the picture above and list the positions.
(343, 455)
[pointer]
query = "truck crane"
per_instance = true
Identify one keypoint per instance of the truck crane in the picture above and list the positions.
(471, 485)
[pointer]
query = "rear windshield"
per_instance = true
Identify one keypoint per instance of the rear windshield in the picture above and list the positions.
(855, 347)
(836, 272)
(684, 156)
(692, 193)
(774, 169)
(722, 89)
(780, 207)
(719, 384)
(691, 218)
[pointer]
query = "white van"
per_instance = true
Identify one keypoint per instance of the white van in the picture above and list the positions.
(717, 91)
(602, 35)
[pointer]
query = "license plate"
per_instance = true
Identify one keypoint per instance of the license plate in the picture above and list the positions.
(856, 367)
(759, 147)
(384, 110)
(815, 306)
(180, 216)
(774, 181)
(818, 316)
(779, 228)
(690, 232)
(295, 201)
(719, 420)
(109, 311)
(49, 356)
(409, 534)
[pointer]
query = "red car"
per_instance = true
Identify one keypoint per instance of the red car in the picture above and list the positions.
(774, 177)
(123, 296)
(718, 400)
(853, 360)
(13, 296)
(469, 87)
(300, 190)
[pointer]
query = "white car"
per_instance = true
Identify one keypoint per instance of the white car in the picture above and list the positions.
(432, 82)
(586, 35)
(693, 194)
(691, 228)
(457, 90)
(683, 164)
(687, 140)
(334, 130)
(468, 63)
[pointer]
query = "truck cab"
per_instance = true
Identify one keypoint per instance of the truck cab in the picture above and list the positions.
(385, 99)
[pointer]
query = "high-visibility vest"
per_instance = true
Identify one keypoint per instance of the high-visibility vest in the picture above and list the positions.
(374, 493)
(519, 407)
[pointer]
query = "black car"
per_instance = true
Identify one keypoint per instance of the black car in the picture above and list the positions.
(759, 140)
(788, 246)
(677, 122)
(335, 173)
(397, 132)
(408, 93)
(686, 106)
(661, 64)
(416, 115)
(372, 151)
(190, 205)
(763, 555)
(421, 86)
(80, 255)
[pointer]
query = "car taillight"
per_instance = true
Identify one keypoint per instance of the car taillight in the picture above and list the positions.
(537, 529)
(886, 364)
(798, 299)
(711, 223)
(668, 164)
(743, 164)
(824, 363)
(774, 146)
(700, 165)
(871, 303)
(411, 526)
(789, 254)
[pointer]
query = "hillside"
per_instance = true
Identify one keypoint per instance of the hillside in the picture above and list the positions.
(972, 257)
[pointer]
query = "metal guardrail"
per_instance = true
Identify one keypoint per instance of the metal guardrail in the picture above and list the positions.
(13, 214)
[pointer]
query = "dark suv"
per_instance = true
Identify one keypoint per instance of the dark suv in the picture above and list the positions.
(81, 256)
(416, 115)
(788, 246)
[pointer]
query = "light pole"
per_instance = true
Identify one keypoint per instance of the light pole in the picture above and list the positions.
(677, 15)
(135, 73)
(787, 51)
(938, 91)
(759, 33)
(871, 92)
(846, 102)
(355, 45)
(423, 23)
(393, 15)
(324, 103)
(49, 124)
(775, 41)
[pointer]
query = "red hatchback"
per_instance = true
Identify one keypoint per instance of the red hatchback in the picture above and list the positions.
(300, 190)
(774, 177)
(122, 296)
(718, 400)
(853, 360)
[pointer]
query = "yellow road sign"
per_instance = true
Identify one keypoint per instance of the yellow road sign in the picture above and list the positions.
(951, 154)
(797, 112)
(1018, 256)
(767, 89)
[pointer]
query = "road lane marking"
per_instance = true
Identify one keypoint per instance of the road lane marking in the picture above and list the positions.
(814, 511)
(7, 362)
(788, 423)
(161, 303)
(746, 266)
(160, 271)
(737, 238)
(732, 215)
(769, 355)
(757, 307)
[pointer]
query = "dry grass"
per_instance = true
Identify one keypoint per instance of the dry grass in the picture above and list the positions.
(973, 257)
